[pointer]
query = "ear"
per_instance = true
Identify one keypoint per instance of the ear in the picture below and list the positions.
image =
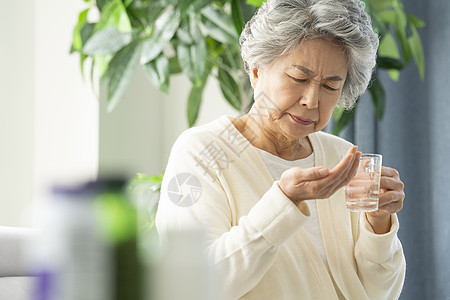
(254, 76)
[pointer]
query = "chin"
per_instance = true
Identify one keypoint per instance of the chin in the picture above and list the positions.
(296, 133)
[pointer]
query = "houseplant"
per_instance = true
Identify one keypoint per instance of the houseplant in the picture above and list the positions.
(200, 39)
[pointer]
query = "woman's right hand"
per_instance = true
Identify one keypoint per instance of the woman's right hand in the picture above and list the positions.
(318, 183)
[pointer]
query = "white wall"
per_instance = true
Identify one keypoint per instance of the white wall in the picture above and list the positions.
(130, 136)
(16, 108)
(66, 110)
(48, 115)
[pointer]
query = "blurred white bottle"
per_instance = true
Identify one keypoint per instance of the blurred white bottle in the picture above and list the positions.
(69, 255)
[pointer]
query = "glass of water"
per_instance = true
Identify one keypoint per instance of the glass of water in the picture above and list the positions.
(363, 190)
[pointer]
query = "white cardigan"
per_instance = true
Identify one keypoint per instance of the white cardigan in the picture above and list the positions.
(254, 232)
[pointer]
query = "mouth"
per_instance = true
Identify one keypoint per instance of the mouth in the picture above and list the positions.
(302, 121)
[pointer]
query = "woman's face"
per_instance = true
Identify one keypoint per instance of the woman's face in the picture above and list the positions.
(303, 88)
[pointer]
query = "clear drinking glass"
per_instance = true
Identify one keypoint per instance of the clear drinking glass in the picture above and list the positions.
(363, 190)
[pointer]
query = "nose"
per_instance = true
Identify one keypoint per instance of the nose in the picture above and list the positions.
(310, 97)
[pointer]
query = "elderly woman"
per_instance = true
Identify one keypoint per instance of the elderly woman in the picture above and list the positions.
(268, 187)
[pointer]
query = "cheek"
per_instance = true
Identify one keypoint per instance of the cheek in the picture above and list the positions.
(326, 111)
(276, 96)
(286, 94)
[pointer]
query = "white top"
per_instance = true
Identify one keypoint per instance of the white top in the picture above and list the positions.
(277, 166)
(217, 181)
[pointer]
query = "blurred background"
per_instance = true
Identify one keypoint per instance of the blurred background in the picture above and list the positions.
(55, 128)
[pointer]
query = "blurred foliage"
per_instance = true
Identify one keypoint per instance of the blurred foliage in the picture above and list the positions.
(199, 38)
(144, 190)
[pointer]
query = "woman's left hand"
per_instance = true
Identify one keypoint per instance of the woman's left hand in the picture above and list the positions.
(390, 200)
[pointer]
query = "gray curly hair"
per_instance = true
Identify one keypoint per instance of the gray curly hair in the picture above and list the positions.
(279, 25)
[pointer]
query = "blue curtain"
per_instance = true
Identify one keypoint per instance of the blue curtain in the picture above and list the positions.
(414, 138)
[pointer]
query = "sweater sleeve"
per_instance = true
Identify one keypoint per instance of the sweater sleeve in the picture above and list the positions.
(243, 252)
(380, 260)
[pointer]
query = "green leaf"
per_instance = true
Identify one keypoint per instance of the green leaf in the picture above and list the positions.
(248, 11)
(378, 95)
(214, 48)
(417, 51)
(378, 24)
(400, 30)
(382, 4)
(102, 3)
(183, 34)
(193, 104)
(337, 112)
(194, 29)
(101, 64)
(192, 58)
(143, 14)
(255, 3)
(230, 89)
(92, 77)
(219, 34)
(388, 16)
(342, 122)
(164, 29)
(158, 72)
(388, 49)
(418, 23)
(86, 32)
(120, 72)
(195, 97)
(389, 63)
(108, 40)
(174, 66)
(236, 13)
(77, 43)
(140, 178)
(114, 14)
(199, 4)
(394, 74)
(121, 17)
(220, 19)
(82, 60)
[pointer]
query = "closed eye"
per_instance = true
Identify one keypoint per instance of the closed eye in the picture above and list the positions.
(297, 79)
(305, 80)
(329, 88)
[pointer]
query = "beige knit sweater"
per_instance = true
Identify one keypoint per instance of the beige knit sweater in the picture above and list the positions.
(254, 232)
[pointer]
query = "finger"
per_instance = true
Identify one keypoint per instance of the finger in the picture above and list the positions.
(391, 208)
(391, 183)
(354, 168)
(347, 160)
(389, 172)
(310, 174)
(296, 176)
(346, 175)
(340, 177)
(391, 197)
